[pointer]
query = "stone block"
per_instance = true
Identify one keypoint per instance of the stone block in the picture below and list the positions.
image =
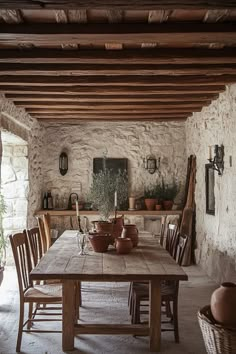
(8, 174)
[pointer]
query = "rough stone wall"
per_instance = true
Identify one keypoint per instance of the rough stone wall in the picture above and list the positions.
(83, 142)
(216, 235)
(14, 182)
(16, 121)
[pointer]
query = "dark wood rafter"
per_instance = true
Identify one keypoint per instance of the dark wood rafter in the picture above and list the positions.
(126, 91)
(115, 98)
(117, 4)
(55, 34)
(124, 57)
(116, 81)
(115, 70)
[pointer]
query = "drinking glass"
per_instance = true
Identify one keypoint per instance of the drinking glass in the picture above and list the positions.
(82, 243)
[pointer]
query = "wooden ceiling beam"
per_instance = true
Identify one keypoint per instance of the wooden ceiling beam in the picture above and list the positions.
(127, 80)
(117, 105)
(116, 98)
(117, 4)
(113, 111)
(115, 70)
(112, 91)
(144, 56)
(55, 34)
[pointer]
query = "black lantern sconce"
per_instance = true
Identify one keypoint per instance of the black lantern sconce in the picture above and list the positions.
(63, 163)
(151, 164)
(217, 161)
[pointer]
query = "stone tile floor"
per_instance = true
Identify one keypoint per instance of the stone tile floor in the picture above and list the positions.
(107, 302)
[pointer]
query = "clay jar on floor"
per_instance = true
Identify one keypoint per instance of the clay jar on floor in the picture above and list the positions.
(223, 304)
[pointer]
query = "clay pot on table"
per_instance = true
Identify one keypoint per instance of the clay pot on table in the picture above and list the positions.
(105, 227)
(131, 231)
(123, 245)
(223, 304)
(118, 224)
(99, 242)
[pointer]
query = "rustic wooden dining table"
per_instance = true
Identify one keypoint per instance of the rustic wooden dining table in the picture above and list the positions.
(147, 262)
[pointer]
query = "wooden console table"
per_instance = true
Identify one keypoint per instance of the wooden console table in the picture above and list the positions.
(94, 212)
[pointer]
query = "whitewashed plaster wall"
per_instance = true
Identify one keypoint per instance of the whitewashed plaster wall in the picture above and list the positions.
(216, 235)
(131, 140)
(16, 121)
(83, 142)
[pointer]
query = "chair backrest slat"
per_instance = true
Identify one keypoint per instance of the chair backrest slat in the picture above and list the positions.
(46, 222)
(21, 254)
(35, 242)
(180, 248)
(171, 238)
(162, 229)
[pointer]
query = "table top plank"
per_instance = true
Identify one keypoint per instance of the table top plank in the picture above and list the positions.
(146, 262)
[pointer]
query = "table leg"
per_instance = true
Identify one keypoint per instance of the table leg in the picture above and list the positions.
(68, 314)
(155, 315)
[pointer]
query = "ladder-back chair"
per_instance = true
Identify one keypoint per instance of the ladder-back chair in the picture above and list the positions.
(29, 293)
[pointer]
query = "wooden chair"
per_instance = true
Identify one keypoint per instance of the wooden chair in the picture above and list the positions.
(29, 293)
(171, 239)
(45, 242)
(169, 294)
(162, 229)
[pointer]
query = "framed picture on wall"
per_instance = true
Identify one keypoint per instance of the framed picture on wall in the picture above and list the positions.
(210, 186)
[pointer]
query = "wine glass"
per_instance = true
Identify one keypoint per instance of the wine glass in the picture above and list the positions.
(82, 243)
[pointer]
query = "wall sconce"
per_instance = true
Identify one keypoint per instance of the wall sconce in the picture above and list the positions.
(63, 163)
(217, 161)
(151, 164)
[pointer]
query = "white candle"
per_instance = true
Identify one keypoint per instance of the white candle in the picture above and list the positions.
(77, 207)
(210, 156)
(115, 199)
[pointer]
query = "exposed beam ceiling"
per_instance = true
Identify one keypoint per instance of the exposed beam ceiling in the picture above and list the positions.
(116, 60)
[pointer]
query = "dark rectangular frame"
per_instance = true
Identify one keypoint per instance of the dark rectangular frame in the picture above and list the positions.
(210, 185)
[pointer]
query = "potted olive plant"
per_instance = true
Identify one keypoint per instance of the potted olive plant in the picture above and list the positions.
(102, 192)
(2, 239)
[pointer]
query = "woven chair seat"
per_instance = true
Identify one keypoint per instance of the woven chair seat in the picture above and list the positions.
(44, 291)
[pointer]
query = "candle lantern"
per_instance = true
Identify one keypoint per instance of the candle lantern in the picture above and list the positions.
(63, 163)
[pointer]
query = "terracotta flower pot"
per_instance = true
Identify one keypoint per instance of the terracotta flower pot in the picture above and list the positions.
(131, 231)
(123, 245)
(103, 227)
(168, 204)
(150, 203)
(99, 242)
(223, 304)
(158, 206)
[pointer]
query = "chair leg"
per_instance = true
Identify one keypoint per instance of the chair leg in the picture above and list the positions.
(29, 324)
(175, 320)
(20, 328)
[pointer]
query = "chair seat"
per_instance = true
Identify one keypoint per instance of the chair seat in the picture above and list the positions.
(44, 292)
(167, 289)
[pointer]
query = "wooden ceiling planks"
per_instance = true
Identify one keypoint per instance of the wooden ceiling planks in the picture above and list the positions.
(101, 60)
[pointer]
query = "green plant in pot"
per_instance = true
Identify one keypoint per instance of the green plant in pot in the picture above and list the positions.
(102, 191)
(2, 238)
(150, 199)
(170, 191)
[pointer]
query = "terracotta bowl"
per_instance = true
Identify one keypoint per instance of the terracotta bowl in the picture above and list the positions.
(99, 242)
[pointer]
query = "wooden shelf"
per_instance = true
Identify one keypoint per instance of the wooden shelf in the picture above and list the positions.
(94, 212)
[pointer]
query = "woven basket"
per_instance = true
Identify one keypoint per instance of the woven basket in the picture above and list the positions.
(218, 339)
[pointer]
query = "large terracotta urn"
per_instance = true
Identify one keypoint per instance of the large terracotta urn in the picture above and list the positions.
(223, 304)
(117, 226)
(131, 231)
